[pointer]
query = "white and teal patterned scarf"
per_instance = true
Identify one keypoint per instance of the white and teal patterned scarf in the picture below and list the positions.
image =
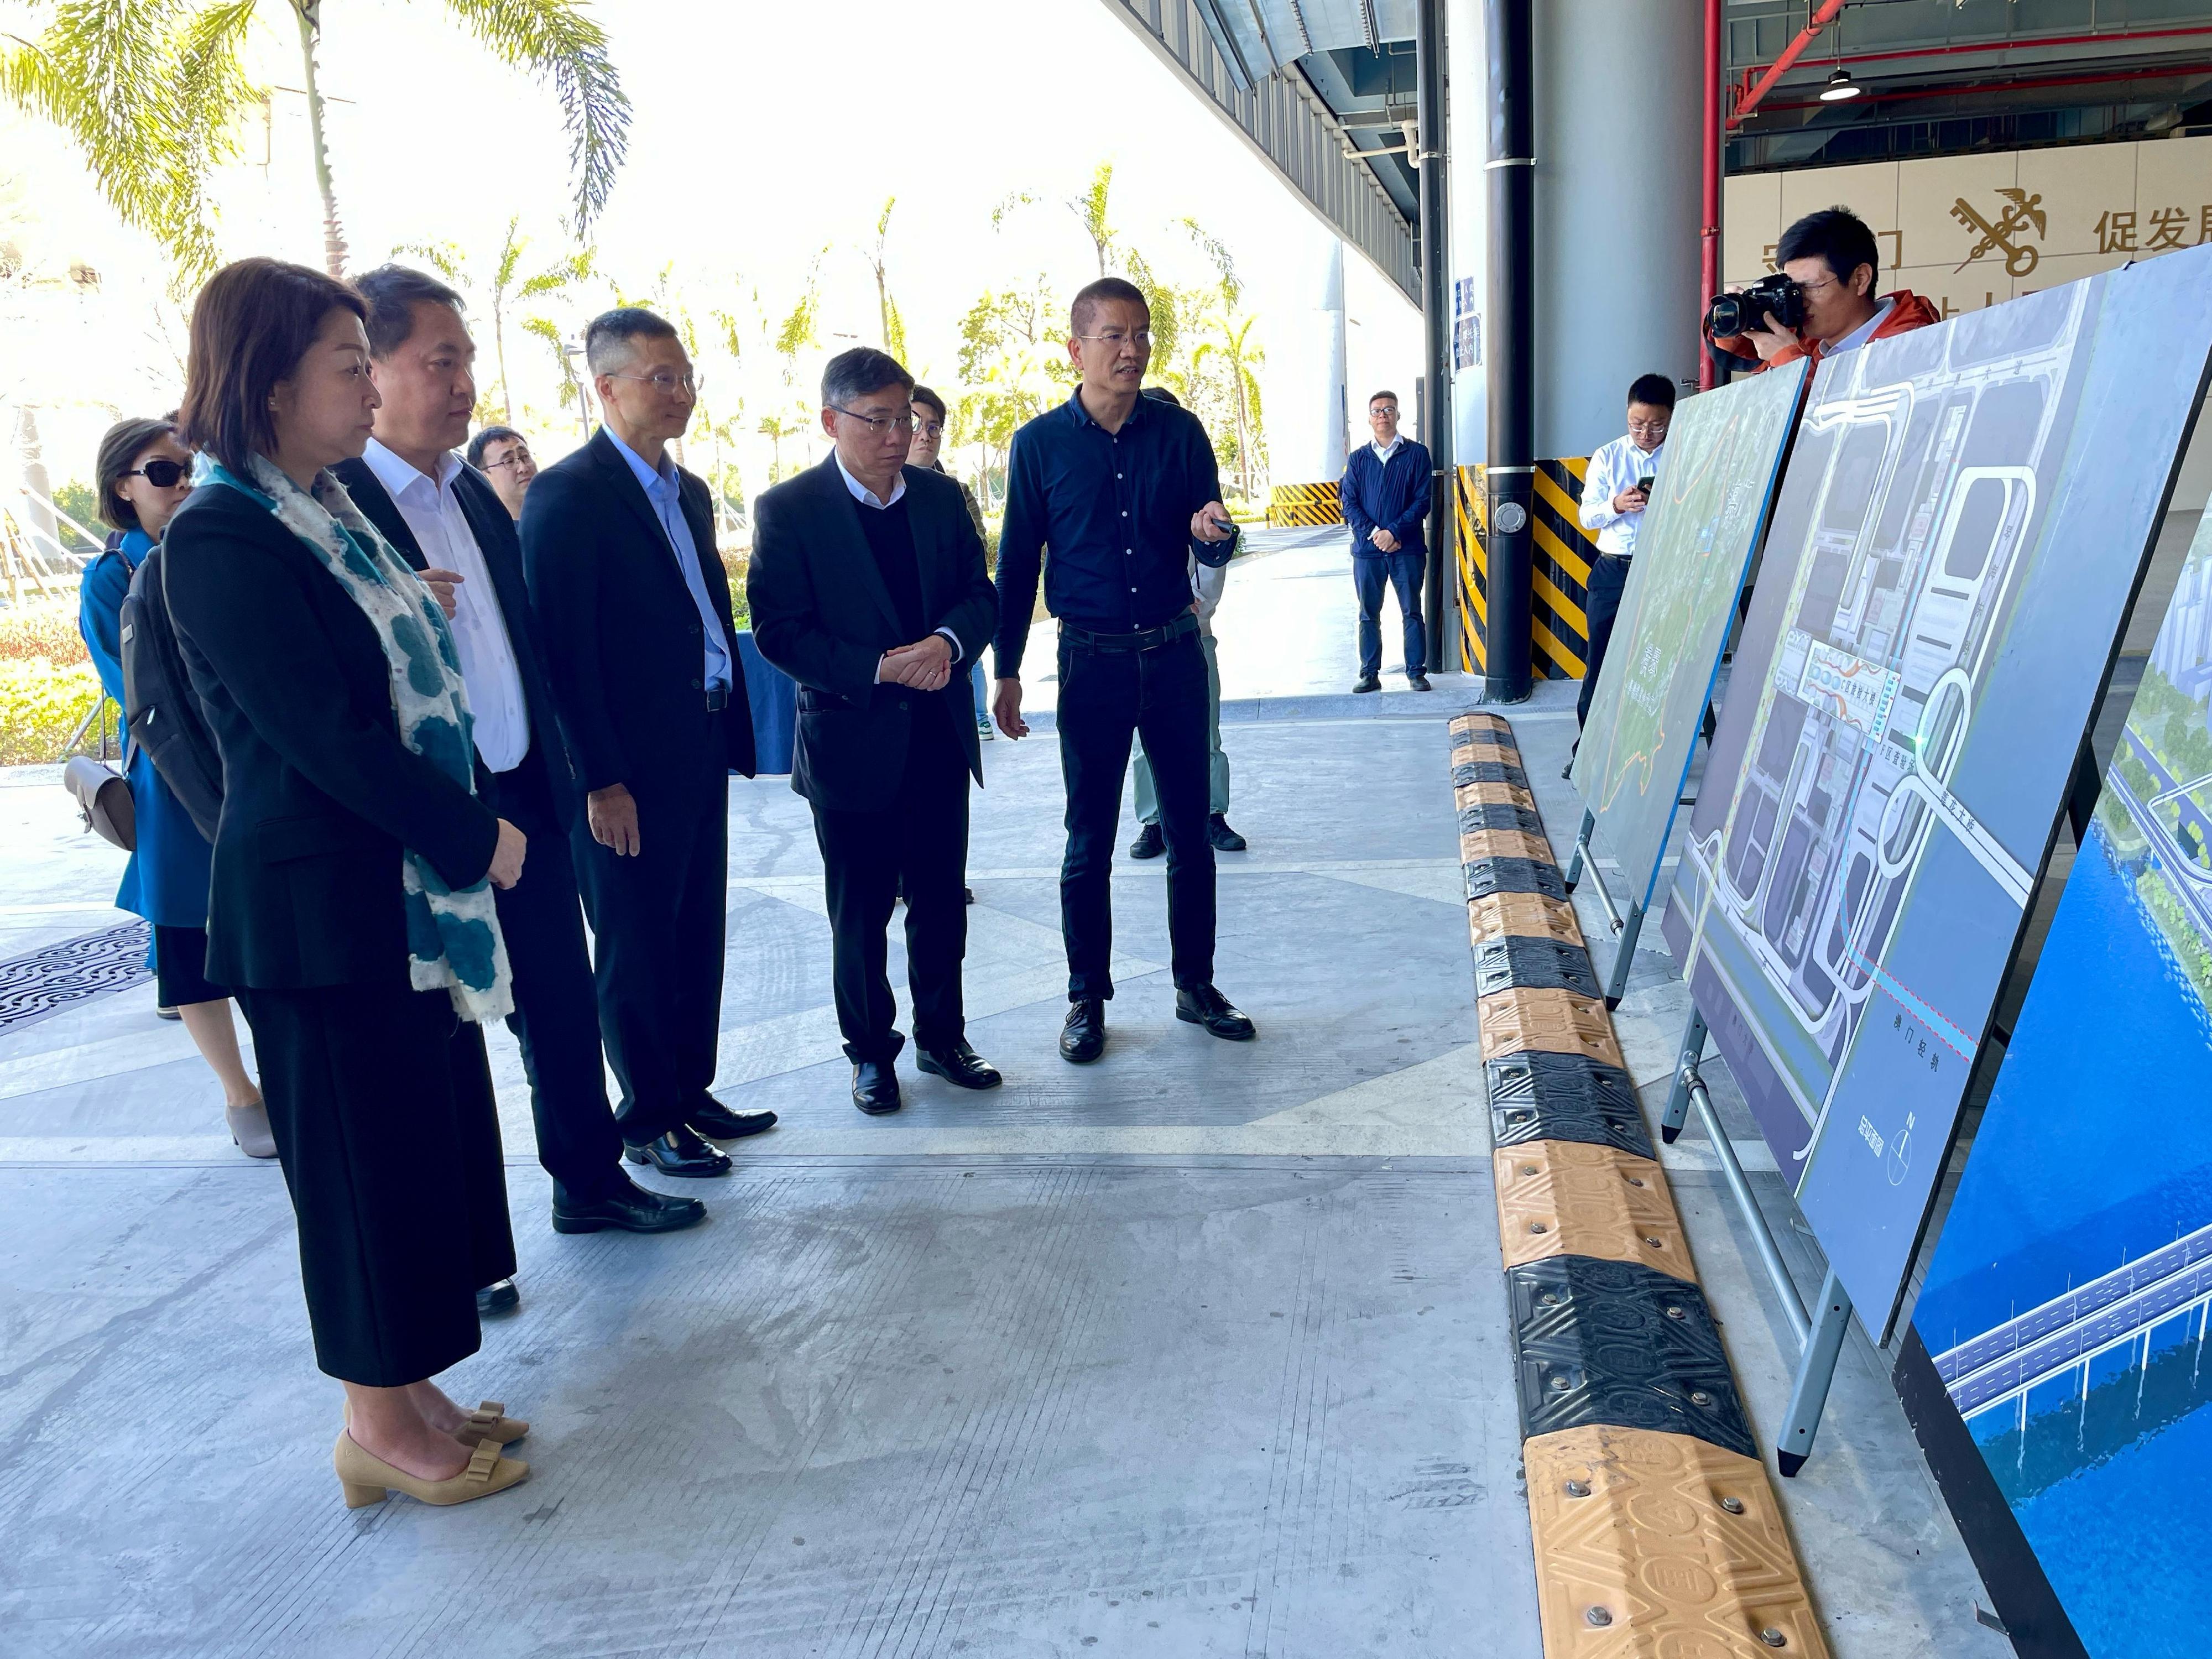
(453, 941)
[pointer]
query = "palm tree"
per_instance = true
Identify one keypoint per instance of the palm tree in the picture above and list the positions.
(152, 94)
(507, 291)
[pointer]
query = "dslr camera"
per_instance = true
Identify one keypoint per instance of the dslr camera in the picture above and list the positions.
(1774, 295)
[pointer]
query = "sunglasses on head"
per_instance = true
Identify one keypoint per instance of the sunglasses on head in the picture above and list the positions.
(162, 472)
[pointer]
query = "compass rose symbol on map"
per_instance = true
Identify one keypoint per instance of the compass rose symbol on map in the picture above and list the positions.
(2022, 213)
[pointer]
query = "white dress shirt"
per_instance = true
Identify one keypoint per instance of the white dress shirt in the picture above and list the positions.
(1859, 336)
(432, 511)
(866, 497)
(1614, 469)
(1383, 454)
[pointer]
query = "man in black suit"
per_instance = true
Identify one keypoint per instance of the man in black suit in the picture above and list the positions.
(633, 607)
(868, 587)
(446, 520)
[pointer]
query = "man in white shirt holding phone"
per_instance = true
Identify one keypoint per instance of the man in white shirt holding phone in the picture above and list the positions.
(1614, 495)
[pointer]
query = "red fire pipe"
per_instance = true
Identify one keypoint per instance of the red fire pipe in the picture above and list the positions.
(2025, 43)
(2014, 84)
(1709, 230)
(1829, 10)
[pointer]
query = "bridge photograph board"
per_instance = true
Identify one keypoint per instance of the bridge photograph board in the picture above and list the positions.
(1710, 504)
(2065, 1305)
(1964, 522)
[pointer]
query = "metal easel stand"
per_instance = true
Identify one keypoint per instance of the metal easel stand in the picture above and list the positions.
(1819, 1333)
(1625, 958)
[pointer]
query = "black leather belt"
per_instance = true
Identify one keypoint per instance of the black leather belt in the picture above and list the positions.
(1149, 639)
(718, 698)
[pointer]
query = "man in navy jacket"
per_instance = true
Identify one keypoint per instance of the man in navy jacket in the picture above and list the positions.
(1386, 496)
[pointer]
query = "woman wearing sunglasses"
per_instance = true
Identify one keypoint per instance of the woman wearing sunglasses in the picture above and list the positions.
(144, 475)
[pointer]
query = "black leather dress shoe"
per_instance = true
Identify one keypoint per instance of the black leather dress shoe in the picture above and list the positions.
(679, 1153)
(499, 1296)
(875, 1087)
(1208, 1007)
(1149, 844)
(1083, 1038)
(628, 1209)
(1367, 683)
(960, 1064)
(1419, 681)
(1224, 839)
(712, 1120)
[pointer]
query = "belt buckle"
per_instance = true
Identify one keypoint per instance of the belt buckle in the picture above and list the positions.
(718, 699)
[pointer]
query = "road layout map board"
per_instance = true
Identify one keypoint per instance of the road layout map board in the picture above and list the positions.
(2065, 1307)
(1715, 485)
(1963, 523)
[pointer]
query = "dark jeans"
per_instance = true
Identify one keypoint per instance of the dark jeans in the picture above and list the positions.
(1107, 698)
(380, 1101)
(917, 844)
(1404, 571)
(658, 919)
(556, 1014)
(1601, 607)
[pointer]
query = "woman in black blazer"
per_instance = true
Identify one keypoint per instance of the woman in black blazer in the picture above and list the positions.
(349, 868)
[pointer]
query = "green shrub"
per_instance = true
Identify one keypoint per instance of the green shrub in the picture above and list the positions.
(41, 703)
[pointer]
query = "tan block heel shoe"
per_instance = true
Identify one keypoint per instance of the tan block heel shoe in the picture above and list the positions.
(369, 1480)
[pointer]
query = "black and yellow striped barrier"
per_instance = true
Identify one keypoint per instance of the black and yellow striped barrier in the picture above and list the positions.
(1657, 1532)
(1564, 552)
(1304, 504)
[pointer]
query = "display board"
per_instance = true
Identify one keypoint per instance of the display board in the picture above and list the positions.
(1959, 533)
(1724, 457)
(2066, 1303)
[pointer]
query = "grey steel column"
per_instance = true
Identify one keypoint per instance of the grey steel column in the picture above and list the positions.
(1436, 320)
(1509, 377)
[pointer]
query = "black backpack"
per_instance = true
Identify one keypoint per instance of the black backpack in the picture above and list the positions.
(161, 709)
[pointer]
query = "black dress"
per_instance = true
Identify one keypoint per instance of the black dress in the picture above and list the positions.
(378, 1095)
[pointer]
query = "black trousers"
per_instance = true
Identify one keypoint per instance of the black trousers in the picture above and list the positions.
(1405, 571)
(657, 922)
(380, 1101)
(1608, 578)
(556, 1013)
(1107, 699)
(917, 843)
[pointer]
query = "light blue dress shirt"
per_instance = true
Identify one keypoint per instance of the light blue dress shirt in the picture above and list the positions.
(661, 489)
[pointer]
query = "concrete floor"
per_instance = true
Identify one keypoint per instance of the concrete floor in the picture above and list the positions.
(1198, 1351)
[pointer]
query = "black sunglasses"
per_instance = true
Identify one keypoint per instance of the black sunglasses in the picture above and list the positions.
(162, 472)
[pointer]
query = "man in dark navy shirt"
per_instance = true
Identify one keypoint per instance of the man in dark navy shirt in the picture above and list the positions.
(1386, 495)
(1124, 490)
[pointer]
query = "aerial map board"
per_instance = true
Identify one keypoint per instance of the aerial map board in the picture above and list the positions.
(1955, 547)
(2065, 1308)
(1723, 456)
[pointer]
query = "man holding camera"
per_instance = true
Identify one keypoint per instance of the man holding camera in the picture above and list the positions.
(1821, 302)
(1615, 492)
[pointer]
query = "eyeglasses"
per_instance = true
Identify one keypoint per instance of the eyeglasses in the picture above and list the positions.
(162, 472)
(877, 424)
(515, 460)
(1649, 428)
(1114, 338)
(926, 428)
(665, 383)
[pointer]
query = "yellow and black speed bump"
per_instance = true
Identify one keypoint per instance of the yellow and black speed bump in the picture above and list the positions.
(1535, 965)
(1541, 1097)
(1656, 1531)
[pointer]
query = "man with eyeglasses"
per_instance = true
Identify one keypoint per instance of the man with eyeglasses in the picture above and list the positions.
(619, 545)
(1833, 257)
(868, 587)
(502, 455)
(1615, 492)
(1125, 490)
(1385, 493)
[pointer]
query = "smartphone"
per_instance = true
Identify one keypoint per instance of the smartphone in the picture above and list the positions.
(1222, 526)
(1645, 483)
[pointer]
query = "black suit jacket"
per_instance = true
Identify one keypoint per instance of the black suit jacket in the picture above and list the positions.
(501, 547)
(623, 639)
(822, 614)
(319, 795)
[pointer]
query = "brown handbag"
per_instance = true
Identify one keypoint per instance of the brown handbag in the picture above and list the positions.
(104, 800)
